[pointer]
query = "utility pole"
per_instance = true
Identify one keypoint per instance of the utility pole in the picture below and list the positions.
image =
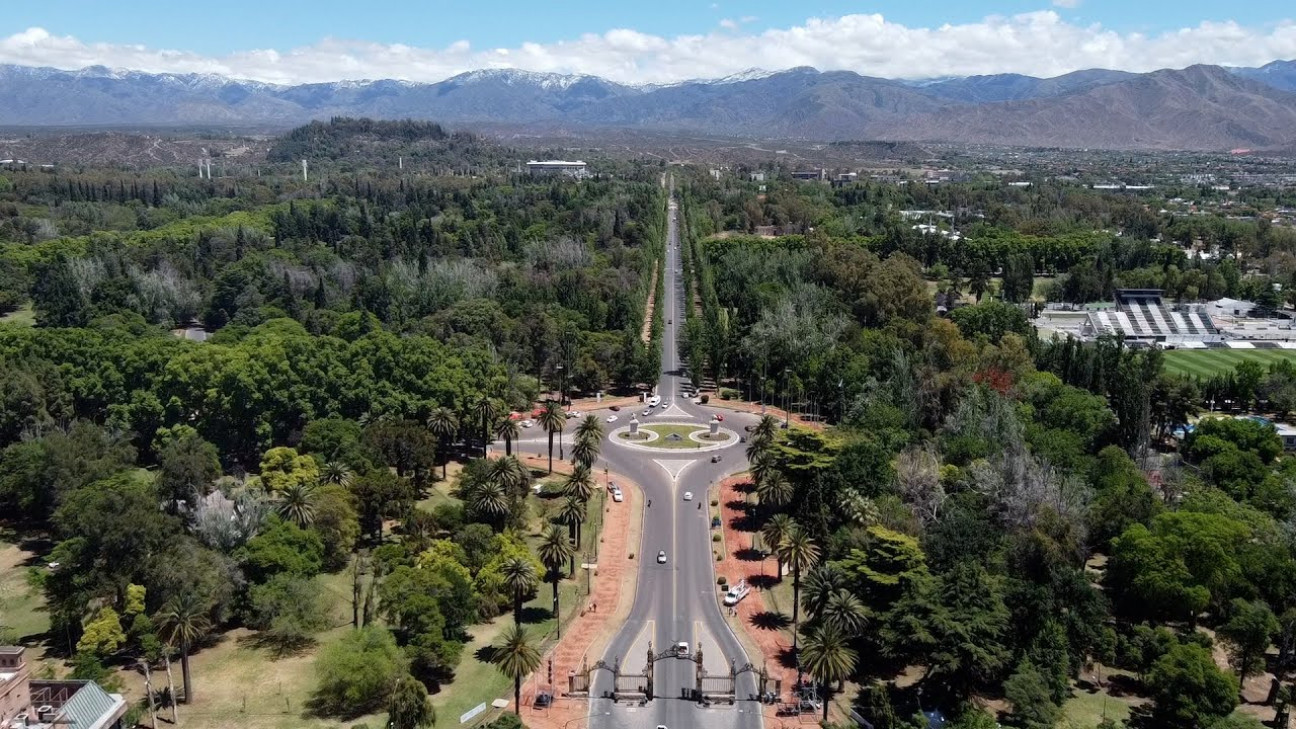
(305, 174)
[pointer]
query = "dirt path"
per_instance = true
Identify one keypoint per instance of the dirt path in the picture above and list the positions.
(760, 630)
(646, 334)
(605, 610)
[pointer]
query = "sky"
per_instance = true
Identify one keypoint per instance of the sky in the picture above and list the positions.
(299, 41)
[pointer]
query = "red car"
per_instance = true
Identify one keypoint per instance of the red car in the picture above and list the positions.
(719, 417)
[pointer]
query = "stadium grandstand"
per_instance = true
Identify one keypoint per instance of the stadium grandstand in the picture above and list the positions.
(1140, 316)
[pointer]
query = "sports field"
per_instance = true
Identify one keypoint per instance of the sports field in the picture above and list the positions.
(1207, 362)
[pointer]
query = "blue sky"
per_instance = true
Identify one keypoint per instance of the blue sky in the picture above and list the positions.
(291, 41)
(233, 25)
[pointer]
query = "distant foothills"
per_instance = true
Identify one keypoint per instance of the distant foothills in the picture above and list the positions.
(1196, 108)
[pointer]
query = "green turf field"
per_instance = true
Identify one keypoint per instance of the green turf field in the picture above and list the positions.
(1207, 362)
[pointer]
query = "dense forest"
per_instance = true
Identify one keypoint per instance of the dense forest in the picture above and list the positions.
(1007, 514)
(360, 337)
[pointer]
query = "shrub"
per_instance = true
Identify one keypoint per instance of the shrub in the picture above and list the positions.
(715, 537)
(728, 393)
(722, 581)
(706, 399)
(357, 673)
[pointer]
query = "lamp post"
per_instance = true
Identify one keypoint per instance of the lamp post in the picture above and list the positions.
(561, 384)
(787, 410)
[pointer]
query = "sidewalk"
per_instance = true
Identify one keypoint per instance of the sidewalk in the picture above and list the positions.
(604, 611)
(742, 406)
(757, 628)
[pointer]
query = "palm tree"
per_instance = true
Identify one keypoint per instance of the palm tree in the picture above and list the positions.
(509, 473)
(774, 532)
(844, 612)
(829, 658)
(490, 499)
(589, 441)
(775, 490)
(580, 483)
(572, 513)
(762, 467)
(766, 428)
(554, 550)
(801, 554)
(183, 621)
(508, 430)
(296, 503)
(485, 411)
(443, 423)
(520, 578)
(516, 658)
(553, 420)
(820, 585)
(334, 472)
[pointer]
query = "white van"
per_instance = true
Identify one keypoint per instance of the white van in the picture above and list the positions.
(654, 401)
(736, 593)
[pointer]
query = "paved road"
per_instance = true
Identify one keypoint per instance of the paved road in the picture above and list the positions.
(676, 601)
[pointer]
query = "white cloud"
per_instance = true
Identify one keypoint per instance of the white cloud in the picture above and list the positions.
(1069, 4)
(1039, 43)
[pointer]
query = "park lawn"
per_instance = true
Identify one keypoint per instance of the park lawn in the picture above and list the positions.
(239, 682)
(22, 606)
(1207, 362)
(1085, 709)
(23, 316)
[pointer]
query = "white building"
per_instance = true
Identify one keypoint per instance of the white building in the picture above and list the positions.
(550, 168)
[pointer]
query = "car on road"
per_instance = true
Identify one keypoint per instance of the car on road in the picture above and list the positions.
(611, 418)
(574, 414)
(720, 417)
(661, 557)
(654, 401)
(716, 458)
(527, 423)
(682, 649)
(670, 321)
(617, 496)
(647, 411)
(688, 495)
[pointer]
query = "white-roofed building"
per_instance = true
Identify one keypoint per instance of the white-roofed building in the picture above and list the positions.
(549, 168)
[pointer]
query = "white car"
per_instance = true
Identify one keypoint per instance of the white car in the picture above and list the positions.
(611, 418)
(574, 414)
(617, 496)
(681, 649)
(661, 557)
(688, 495)
(527, 423)
(647, 411)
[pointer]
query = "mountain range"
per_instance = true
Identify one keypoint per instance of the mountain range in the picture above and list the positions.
(1197, 108)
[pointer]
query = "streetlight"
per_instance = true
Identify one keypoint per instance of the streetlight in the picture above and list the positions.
(787, 410)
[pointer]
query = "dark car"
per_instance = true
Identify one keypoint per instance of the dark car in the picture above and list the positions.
(615, 408)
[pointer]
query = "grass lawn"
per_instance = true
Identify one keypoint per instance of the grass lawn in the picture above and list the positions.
(239, 682)
(1085, 710)
(665, 431)
(22, 607)
(1207, 362)
(23, 316)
